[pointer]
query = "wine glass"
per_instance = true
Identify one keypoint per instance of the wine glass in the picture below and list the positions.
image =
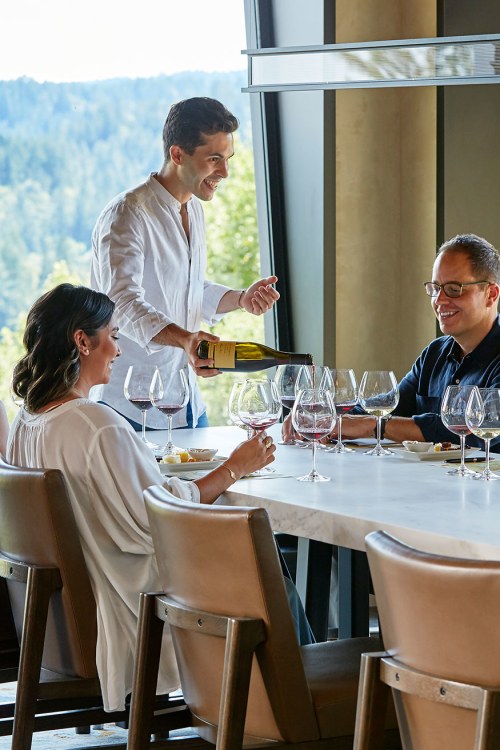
(232, 407)
(345, 398)
(169, 393)
(482, 416)
(314, 376)
(453, 417)
(379, 395)
(286, 379)
(313, 417)
(136, 390)
(259, 404)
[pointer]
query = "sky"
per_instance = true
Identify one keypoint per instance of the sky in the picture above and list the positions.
(86, 40)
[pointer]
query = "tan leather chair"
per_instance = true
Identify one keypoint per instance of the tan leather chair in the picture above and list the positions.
(54, 612)
(440, 619)
(243, 674)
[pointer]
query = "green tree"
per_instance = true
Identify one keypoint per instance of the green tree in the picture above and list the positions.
(65, 150)
(233, 259)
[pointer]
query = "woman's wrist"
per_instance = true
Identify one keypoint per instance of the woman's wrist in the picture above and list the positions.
(232, 473)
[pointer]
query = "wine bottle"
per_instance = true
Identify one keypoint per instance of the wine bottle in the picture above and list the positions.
(246, 356)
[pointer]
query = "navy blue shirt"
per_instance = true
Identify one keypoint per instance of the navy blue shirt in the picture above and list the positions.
(440, 364)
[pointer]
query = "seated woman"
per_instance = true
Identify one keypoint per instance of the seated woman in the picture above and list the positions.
(4, 430)
(71, 343)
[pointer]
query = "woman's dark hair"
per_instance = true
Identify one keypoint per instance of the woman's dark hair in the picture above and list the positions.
(51, 366)
(190, 120)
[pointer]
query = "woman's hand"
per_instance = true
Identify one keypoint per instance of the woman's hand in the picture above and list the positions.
(252, 455)
(247, 457)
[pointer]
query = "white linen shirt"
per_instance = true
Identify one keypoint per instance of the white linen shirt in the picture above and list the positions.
(142, 259)
(106, 467)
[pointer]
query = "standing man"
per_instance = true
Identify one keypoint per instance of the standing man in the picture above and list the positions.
(149, 256)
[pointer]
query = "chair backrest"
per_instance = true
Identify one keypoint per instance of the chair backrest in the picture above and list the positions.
(441, 616)
(223, 560)
(37, 526)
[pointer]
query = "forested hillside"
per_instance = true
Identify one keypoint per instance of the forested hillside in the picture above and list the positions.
(66, 149)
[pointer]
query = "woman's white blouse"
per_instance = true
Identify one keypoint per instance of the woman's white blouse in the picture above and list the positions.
(106, 467)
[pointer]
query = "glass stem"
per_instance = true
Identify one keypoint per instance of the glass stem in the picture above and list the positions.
(249, 432)
(339, 431)
(313, 457)
(169, 434)
(463, 468)
(144, 414)
(379, 425)
(487, 460)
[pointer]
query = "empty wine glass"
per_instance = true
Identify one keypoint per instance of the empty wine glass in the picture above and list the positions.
(379, 395)
(286, 379)
(313, 417)
(453, 409)
(169, 393)
(259, 404)
(136, 390)
(345, 398)
(482, 416)
(232, 407)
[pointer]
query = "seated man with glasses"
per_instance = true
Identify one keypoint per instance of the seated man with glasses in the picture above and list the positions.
(464, 294)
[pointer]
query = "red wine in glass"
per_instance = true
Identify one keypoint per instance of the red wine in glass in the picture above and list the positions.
(136, 391)
(168, 409)
(260, 423)
(458, 429)
(313, 417)
(169, 393)
(342, 409)
(141, 403)
(288, 402)
(312, 434)
(453, 416)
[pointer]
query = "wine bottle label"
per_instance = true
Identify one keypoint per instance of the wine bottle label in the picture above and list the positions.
(223, 353)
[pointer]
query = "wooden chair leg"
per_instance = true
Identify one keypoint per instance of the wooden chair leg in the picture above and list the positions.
(241, 641)
(371, 709)
(488, 722)
(149, 636)
(40, 585)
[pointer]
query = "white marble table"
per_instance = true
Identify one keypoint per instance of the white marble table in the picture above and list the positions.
(416, 501)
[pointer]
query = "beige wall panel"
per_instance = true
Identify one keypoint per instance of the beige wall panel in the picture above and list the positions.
(365, 20)
(385, 201)
(385, 229)
(418, 218)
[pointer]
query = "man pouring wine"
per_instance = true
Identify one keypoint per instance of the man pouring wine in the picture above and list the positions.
(149, 256)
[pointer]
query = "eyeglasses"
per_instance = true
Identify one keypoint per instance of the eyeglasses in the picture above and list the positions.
(451, 288)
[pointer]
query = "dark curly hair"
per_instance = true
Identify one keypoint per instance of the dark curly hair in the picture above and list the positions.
(51, 366)
(483, 257)
(190, 120)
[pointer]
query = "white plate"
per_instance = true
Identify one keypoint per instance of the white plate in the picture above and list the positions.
(430, 455)
(191, 466)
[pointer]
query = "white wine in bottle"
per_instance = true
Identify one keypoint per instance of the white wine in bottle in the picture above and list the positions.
(246, 356)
